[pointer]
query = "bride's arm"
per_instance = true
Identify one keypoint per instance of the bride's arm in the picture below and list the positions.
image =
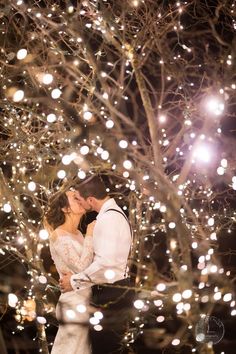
(65, 249)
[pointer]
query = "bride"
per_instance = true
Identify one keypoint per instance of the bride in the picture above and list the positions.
(71, 252)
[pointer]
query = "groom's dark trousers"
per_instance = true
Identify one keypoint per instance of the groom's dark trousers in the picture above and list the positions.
(116, 304)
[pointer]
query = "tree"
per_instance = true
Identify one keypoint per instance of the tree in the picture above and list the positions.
(143, 93)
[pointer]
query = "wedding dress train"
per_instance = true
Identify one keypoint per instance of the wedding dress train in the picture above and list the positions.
(74, 255)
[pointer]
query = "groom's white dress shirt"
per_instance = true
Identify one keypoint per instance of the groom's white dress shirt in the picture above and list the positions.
(112, 241)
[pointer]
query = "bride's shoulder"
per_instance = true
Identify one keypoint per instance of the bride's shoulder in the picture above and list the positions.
(58, 235)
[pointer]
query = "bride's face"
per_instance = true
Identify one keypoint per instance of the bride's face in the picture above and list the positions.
(75, 206)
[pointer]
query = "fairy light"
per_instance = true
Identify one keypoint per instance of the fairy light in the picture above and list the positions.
(43, 234)
(215, 106)
(51, 118)
(61, 174)
(7, 208)
(109, 124)
(211, 221)
(81, 308)
(32, 186)
(160, 319)
(127, 164)
(21, 54)
(186, 294)
(161, 287)
(47, 80)
(56, 93)
(105, 155)
(87, 115)
(18, 96)
(109, 274)
(84, 150)
(138, 304)
(12, 300)
(123, 144)
(176, 297)
(81, 174)
(172, 225)
(66, 159)
(202, 153)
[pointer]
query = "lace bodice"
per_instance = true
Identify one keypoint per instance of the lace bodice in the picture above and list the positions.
(70, 253)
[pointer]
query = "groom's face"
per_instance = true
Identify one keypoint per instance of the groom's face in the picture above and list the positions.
(85, 203)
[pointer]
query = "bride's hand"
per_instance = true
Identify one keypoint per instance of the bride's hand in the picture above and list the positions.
(90, 227)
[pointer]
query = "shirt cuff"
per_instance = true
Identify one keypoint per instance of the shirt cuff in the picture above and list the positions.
(77, 282)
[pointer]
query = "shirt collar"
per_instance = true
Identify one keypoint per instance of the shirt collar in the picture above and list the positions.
(110, 203)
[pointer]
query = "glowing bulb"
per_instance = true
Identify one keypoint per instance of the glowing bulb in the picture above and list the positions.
(176, 297)
(109, 124)
(98, 328)
(160, 319)
(127, 164)
(202, 153)
(81, 308)
(109, 274)
(41, 320)
(12, 300)
(42, 279)
(61, 174)
(98, 314)
(105, 155)
(21, 54)
(70, 314)
(105, 95)
(211, 221)
(7, 208)
(220, 171)
(123, 144)
(224, 163)
(162, 118)
(158, 303)
(66, 159)
(227, 297)
(138, 304)
(161, 287)
(81, 174)
(217, 296)
(70, 9)
(172, 225)
(18, 96)
(186, 294)
(51, 118)
(56, 93)
(47, 79)
(126, 174)
(87, 115)
(163, 208)
(215, 106)
(31, 186)
(175, 341)
(43, 234)
(84, 150)
(94, 320)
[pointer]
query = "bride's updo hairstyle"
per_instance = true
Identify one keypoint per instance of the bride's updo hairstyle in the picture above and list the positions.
(55, 216)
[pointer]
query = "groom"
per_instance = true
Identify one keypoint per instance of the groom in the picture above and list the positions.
(112, 242)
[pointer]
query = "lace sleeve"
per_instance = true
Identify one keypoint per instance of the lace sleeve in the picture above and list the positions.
(76, 260)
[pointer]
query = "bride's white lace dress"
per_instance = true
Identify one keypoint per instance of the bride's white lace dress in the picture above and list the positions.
(72, 253)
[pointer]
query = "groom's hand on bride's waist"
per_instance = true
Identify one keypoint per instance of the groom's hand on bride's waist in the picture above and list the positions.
(64, 282)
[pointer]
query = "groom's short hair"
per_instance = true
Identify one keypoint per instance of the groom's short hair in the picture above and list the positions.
(92, 187)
